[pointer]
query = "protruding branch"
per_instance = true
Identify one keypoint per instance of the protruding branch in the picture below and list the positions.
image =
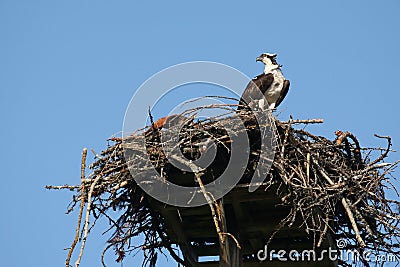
(384, 154)
(82, 205)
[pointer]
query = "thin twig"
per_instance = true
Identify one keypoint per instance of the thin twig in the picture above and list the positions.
(58, 187)
(384, 155)
(291, 121)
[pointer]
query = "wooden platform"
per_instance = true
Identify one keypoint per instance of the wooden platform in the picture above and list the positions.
(251, 218)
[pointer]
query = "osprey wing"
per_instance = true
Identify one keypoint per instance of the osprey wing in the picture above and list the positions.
(255, 89)
(285, 89)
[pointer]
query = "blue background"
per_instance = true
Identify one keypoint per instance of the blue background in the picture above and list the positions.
(69, 68)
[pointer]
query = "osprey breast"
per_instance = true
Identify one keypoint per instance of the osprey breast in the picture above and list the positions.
(273, 93)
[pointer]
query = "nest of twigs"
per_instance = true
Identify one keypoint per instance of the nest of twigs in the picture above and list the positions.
(333, 186)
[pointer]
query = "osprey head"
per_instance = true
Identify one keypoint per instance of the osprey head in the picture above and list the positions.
(267, 58)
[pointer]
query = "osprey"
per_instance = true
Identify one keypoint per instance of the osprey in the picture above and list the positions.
(270, 85)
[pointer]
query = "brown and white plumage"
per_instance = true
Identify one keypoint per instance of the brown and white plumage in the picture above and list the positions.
(271, 86)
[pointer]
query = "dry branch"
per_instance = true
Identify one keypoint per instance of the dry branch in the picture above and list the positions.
(82, 205)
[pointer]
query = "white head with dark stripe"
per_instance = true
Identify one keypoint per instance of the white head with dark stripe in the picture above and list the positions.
(269, 61)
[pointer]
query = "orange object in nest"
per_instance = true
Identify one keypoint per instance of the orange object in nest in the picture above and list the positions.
(167, 122)
(338, 134)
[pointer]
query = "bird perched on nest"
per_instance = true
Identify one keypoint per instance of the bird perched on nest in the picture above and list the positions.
(271, 85)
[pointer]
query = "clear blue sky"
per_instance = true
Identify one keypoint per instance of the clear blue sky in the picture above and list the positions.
(69, 68)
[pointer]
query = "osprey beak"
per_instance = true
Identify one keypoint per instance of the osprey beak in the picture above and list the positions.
(258, 59)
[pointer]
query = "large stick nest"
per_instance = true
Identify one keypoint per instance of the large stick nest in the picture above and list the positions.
(332, 186)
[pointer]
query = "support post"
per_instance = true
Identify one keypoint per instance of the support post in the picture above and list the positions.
(230, 253)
